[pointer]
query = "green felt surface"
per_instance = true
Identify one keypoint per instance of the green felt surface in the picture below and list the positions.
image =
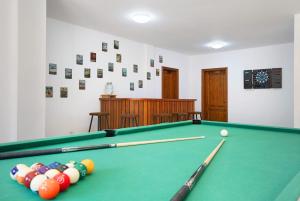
(254, 164)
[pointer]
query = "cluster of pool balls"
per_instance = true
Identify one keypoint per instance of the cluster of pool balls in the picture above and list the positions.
(49, 180)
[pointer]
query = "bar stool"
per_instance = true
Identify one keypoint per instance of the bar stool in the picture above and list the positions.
(180, 116)
(100, 115)
(162, 117)
(131, 118)
(195, 115)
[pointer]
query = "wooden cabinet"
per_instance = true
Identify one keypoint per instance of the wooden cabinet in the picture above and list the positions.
(145, 108)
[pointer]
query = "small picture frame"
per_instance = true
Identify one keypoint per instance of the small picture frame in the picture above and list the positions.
(49, 92)
(124, 72)
(104, 47)
(148, 76)
(116, 44)
(64, 92)
(157, 72)
(79, 59)
(93, 56)
(161, 59)
(87, 73)
(111, 67)
(68, 73)
(135, 68)
(151, 62)
(119, 58)
(99, 73)
(81, 84)
(52, 69)
(140, 83)
(131, 86)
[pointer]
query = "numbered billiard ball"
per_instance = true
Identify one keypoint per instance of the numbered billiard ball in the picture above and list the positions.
(89, 164)
(49, 189)
(51, 173)
(73, 174)
(63, 180)
(43, 169)
(37, 181)
(36, 166)
(29, 177)
(62, 167)
(54, 165)
(14, 171)
(82, 169)
(22, 173)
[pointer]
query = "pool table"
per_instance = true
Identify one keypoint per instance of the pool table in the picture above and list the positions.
(256, 163)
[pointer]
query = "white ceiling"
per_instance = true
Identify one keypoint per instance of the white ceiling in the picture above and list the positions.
(186, 25)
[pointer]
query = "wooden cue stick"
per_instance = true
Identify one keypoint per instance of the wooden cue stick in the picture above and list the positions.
(19, 154)
(188, 186)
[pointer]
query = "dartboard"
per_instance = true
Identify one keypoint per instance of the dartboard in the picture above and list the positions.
(262, 78)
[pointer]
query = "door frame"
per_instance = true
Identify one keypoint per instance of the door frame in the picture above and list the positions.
(203, 104)
(177, 80)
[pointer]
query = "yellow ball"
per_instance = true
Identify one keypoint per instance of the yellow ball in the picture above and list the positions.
(89, 164)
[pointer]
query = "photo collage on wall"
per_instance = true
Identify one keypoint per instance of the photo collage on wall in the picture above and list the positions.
(87, 71)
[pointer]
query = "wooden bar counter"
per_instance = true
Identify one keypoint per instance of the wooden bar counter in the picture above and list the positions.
(144, 107)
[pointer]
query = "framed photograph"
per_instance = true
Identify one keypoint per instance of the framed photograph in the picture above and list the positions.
(140, 83)
(111, 67)
(87, 72)
(152, 62)
(116, 44)
(93, 56)
(131, 86)
(119, 58)
(79, 59)
(161, 59)
(135, 68)
(124, 72)
(68, 73)
(64, 92)
(148, 76)
(49, 92)
(81, 84)
(99, 73)
(52, 69)
(157, 72)
(104, 47)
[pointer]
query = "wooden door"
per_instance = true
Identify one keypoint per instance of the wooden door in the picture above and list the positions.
(170, 83)
(214, 94)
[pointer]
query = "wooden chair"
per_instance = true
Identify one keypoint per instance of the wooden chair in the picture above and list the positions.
(195, 115)
(100, 115)
(180, 116)
(131, 118)
(162, 118)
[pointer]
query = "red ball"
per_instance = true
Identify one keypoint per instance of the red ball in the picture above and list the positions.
(49, 189)
(63, 180)
(29, 177)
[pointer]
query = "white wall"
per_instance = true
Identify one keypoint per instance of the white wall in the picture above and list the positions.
(297, 71)
(8, 69)
(31, 74)
(64, 41)
(22, 72)
(254, 106)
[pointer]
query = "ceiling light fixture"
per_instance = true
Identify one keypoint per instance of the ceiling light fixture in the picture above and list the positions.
(141, 17)
(217, 44)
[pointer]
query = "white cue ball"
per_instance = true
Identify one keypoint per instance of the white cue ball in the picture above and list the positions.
(224, 133)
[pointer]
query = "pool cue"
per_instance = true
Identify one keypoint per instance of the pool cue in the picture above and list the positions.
(19, 154)
(188, 186)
